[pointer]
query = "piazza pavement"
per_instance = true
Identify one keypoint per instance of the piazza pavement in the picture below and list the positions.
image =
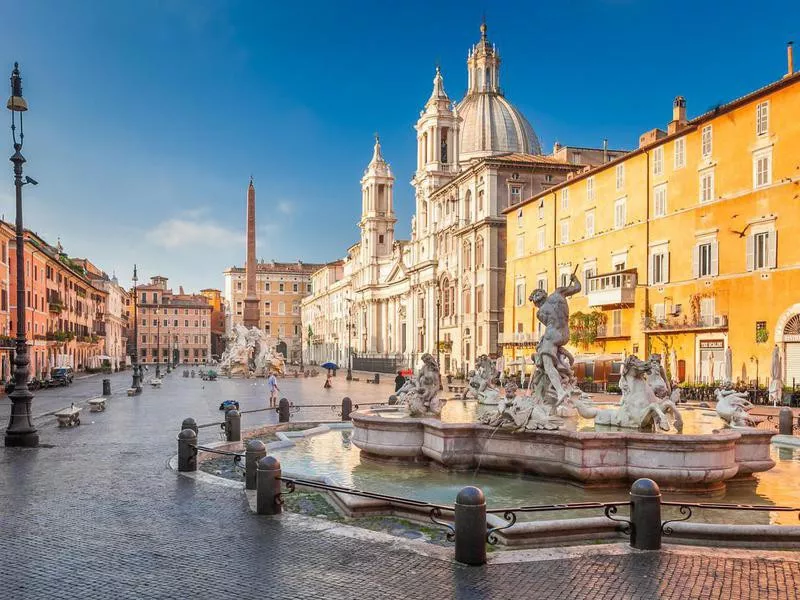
(95, 512)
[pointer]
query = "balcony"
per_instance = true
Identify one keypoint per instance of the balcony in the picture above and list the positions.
(55, 307)
(685, 324)
(516, 339)
(611, 289)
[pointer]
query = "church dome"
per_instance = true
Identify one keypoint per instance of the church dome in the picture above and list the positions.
(490, 124)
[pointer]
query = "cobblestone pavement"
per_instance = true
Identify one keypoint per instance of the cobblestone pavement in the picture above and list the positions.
(97, 514)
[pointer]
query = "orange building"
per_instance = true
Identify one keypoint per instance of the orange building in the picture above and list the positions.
(686, 244)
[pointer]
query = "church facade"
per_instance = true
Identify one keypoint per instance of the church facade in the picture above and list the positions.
(442, 291)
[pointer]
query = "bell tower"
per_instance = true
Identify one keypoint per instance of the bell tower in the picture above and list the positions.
(377, 211)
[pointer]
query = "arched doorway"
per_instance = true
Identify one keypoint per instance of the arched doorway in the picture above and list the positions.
(791, 349)
(283, 349)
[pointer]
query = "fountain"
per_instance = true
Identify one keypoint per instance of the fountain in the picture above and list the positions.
(537, 433)
(250, 353)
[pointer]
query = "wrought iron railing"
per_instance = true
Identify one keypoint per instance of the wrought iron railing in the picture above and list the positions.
(685, 509)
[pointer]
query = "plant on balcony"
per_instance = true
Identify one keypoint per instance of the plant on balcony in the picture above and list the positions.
(583, 327)
(7, 341)
(762, 335)
(60, 336)
(694, 303)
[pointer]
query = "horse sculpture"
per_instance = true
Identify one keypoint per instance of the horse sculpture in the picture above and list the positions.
(733, 407)
(645, 400)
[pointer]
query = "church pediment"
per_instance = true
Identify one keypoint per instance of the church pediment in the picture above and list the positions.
(398, 272)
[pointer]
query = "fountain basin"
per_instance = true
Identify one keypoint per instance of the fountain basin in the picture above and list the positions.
(693, 463)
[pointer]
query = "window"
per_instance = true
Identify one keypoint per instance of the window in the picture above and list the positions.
(679, 157)
(659, 264)
(762, 118)
(706, 259)
(266, 287)
(540, 210)
(705, 148)
(589, 271)
(267, 307)
(186, 322)
(516, 194)
(467, 262)
(620, 176)
(564, 276)
(590, 189)
(521, 244)
(466, 301)
(520, 293)
(540, 238)
(565, 231)
(659, 314)
(620, 213)
(707, 186)
(281, 308)
(238, 285)
(166, 323)
(175, 323)
(479, 299)
(616, 323)
(480, 201)
(144, 322)
(565, 199)
(479, 252)
(762, 168)
(589, 223)
(660, 200)
(294, 287)
(541, 283)
(658, 161)
(762, 250)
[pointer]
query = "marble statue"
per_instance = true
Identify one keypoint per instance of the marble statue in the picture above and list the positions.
(421, 393)
(553, 383)
(250, 352)
(646, 402)
(481, 382)
(733, 407)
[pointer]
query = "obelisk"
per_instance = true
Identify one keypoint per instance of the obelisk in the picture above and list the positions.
(251, 298)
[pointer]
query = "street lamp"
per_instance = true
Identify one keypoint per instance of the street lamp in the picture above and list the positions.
(20, 431)
(438, 317)
(137, 375)
(349, 339)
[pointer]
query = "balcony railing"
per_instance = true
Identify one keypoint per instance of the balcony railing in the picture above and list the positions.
(56, 307)
(686, 323)
(608, 289)
(516, 338)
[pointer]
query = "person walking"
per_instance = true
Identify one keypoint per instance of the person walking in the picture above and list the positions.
(399, 381)
(272, 388)
(327, 385)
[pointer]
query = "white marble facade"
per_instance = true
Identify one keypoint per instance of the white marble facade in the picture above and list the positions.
(474, 159)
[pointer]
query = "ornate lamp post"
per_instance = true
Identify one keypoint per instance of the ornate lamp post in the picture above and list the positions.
(137, 376)
(20, 431)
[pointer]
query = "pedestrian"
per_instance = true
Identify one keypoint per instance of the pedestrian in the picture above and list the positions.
(327, 385)
(399, 381)
(273, 389)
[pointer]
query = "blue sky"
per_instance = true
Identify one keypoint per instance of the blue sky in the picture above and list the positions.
(147, 118)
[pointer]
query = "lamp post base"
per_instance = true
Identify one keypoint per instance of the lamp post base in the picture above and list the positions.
(28, 439)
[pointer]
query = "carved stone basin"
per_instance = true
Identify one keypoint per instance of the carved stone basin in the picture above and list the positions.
(696, 463)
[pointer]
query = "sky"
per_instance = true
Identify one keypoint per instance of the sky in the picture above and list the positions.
(148, 118)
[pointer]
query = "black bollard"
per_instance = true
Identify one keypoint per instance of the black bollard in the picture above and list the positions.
(254, 451)
(470, 525)
(233, 425)
(106, 387)
(189, 423)
(347, 408)
(283, 410)
(268, 486)
(785, 418)
(187, 451)
(645, 515)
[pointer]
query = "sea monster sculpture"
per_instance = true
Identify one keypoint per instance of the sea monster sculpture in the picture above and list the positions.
(645, 403)
(481, 382)
(733, 407)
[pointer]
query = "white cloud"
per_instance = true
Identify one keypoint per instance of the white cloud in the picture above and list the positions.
(285, 207)
(177, 233)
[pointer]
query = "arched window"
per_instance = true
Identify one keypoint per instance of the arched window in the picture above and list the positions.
(468, 206)
(444, 289)
(467, 260)
(479, 258)
(466, 303)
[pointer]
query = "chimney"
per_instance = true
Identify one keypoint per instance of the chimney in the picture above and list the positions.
(789, 59)
(605, 151)
(678, 115)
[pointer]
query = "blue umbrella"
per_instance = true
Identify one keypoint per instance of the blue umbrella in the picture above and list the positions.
(329, 365)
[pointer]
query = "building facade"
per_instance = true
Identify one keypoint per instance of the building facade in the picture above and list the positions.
(684, 244)
(280, 288)
(214, 298)
(172, 326)
(442, 291)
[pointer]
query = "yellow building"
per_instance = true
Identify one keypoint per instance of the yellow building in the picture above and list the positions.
(689, 242)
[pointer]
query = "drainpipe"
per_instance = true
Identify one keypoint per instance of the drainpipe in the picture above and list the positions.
(647, 249)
